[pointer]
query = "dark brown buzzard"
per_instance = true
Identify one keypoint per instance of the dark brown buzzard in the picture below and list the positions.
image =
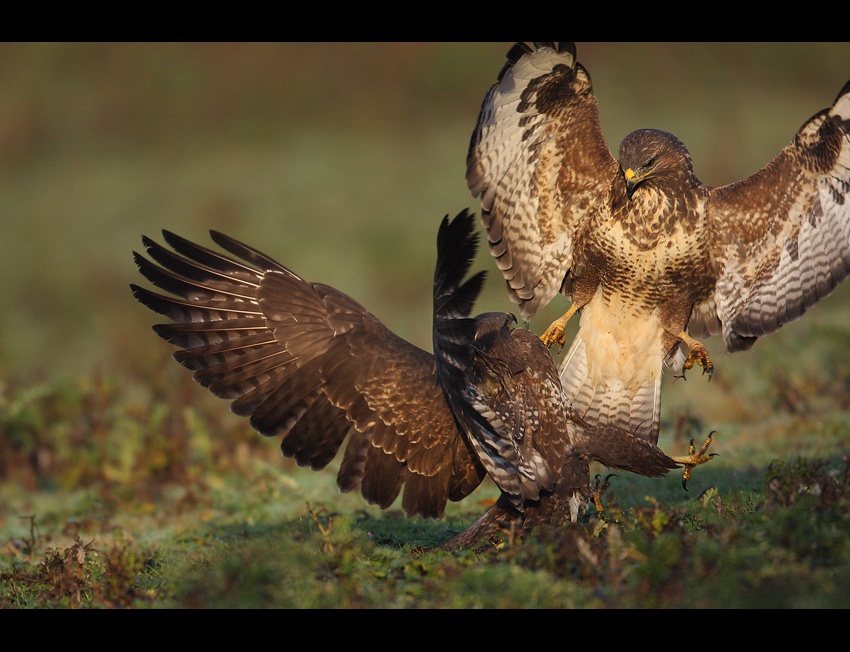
(650, 256)
(308, 363)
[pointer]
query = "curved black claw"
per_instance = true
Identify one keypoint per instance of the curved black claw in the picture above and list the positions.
(698, 355)
(695, 458)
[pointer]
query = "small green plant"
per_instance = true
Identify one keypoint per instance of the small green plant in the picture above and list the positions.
(80, 575)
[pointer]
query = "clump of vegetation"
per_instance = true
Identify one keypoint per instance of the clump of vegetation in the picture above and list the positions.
(80, 575)
(810, 481)
(786, 548)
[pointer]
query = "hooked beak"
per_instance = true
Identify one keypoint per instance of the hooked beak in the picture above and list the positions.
(633, 179)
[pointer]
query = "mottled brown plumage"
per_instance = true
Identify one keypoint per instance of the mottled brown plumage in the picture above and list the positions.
(651, 256)
(306, 362)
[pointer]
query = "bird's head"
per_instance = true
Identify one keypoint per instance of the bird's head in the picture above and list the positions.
(490, 322)
(651, 154)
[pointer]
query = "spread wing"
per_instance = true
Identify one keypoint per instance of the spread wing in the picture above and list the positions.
(308, 363)
(781, 237)
(538, 161)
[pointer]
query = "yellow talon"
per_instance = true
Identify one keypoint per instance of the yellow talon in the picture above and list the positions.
(696, 354)
(694, 458)
(555, 332)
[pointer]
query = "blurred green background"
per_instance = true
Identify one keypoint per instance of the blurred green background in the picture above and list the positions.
(336, 159)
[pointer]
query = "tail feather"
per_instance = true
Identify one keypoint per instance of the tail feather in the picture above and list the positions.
(609, 402)
(499, 517)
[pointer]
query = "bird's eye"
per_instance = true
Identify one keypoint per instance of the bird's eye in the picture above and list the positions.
(651, 162)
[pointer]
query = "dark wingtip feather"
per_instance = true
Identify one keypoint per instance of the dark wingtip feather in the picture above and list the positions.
(518, 50)
(149, 299)
(138, 292)
(844, 90)
(159, 303)
(246, 252)
(205, 256)
(161, 277)
(457, 244)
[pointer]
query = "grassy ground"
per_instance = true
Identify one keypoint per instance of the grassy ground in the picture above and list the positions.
(123, 484)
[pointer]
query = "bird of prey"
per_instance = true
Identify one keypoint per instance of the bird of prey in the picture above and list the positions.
(306, 362)
(651, 257)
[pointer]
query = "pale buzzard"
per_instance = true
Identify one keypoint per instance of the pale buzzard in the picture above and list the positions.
(652, 257)
(306, 362)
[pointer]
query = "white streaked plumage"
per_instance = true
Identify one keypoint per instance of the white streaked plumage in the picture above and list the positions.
(653, 257)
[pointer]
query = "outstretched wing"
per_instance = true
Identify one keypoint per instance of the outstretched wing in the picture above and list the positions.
(538, 160)
(781, 237)
(308, 363)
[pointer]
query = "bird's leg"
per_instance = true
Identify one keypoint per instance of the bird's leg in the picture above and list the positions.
(694, 458)
(697, 354)
(599, 487)
(555, 332)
